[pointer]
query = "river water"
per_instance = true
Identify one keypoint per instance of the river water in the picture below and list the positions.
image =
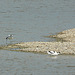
(22, 63)
(30, 20)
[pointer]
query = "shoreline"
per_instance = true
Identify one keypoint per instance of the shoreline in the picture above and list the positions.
(67, 47)
(43, 47)
(65, 36)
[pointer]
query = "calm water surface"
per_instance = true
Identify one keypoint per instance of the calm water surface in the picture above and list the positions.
(21, 63)
(30, 20)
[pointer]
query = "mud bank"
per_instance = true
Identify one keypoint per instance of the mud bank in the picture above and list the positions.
(67, 35)
(67, 47)
(63, 48)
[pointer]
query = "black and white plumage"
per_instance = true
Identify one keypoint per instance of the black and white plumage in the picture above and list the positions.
(9, 37)
(53, 52)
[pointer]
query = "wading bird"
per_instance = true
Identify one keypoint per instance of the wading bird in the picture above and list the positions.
(9, 37)
(53, 52)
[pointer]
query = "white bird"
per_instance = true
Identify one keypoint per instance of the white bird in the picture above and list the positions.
(9, 37)
(53, 52)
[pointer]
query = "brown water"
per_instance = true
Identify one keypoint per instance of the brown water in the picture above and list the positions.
(21, 63)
